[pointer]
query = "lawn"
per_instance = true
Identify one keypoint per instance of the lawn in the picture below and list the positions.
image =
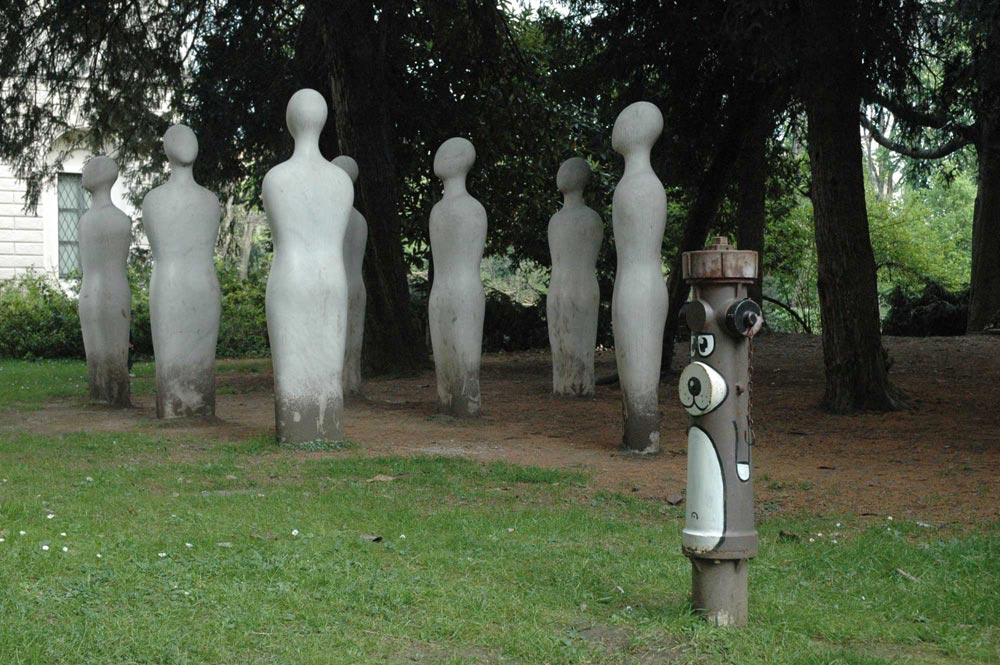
(140, 547)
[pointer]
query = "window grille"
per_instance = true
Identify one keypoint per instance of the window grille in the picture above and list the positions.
(73, 202)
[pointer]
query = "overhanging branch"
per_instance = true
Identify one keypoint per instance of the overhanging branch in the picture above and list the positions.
(938, 152)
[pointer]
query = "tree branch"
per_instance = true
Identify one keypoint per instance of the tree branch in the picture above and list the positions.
(921, 118)
(795, 315)
(938, 152)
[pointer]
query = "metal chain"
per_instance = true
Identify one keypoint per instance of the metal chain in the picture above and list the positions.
(750, 390)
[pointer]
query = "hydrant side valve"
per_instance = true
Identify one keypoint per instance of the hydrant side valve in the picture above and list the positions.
(744, 318)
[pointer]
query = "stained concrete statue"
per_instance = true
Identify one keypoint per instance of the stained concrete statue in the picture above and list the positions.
(575, 235)
(105, 298)
(639, 303)
(181, 220)
(457, 304)
(308, 204)
(354, 256)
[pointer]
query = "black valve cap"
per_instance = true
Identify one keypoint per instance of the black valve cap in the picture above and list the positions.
(744, 318)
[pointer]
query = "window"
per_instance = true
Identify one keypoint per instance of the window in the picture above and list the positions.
(73, 202)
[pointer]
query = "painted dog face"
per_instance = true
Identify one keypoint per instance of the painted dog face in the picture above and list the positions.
(701, 389)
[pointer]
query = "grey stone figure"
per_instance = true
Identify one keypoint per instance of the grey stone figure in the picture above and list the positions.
(105, 298)
(457, 304)
(354, 256)
(308, 204)
(181, 220)
(575, 235)
(639, 303)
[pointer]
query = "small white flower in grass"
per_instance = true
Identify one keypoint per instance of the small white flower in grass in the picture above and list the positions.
(89, 479)
(99, 555)
(162, 554)
(2, 539)
(819, 535)
(812, 540)
(889, 517)
(188, 545)
(510, 530)
(838, 525)
(23, 533)
(62, 533)
(295, 532)
(402, 536)
(834, 541)
(50, 516)
(65, 549)
(45, 548)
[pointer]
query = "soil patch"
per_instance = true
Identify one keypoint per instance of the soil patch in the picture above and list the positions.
(935, 463)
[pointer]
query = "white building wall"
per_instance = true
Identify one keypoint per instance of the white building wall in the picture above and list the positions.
(30, 241)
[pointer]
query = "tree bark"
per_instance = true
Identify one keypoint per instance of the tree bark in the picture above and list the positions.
(857, 376)
(361, 99)
(751, 199)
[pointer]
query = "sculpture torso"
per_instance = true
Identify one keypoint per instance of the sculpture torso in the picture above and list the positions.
(181, 219)
(457, 305)
(105, 297)
(308, 204)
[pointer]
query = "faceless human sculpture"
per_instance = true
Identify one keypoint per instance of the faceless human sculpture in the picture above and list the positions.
(457, 304)
(575, 235)
(308, 204)
(354, 256)
(181, 220)
(639, 303)
(105, 298)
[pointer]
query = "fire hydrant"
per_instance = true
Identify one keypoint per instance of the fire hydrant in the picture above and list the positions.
(719, 535)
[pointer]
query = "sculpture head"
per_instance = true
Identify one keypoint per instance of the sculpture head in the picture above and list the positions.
(99, 173)
(573, 175)
(638, 126)
(306, 115)
(348, 165)
(181, 145)
(454, 158)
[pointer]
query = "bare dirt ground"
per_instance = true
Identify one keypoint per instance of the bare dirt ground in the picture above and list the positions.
(936, 463)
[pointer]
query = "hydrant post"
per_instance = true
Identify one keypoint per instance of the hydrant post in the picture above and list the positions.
(719, 535)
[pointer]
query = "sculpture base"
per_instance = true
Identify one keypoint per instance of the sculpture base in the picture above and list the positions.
(719, 590)
(108, 381)
(185, 396)
(642, 434)
(306, 421)
(462, 400)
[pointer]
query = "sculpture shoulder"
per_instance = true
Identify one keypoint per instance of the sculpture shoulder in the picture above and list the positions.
(291, 174)
(105, 215)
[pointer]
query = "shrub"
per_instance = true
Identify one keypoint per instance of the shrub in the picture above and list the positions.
(936, 312)
(38, 319)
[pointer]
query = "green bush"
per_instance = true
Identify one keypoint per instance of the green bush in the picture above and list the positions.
(38, 319)
(243, 330)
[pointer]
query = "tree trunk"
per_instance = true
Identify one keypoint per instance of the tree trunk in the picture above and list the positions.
(751, 199)
(984, 298)
(361, 100)
(857, 375)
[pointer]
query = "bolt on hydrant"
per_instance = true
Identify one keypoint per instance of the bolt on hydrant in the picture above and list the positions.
(719, 535)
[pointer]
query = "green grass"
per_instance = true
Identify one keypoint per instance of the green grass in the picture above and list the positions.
(500, 563)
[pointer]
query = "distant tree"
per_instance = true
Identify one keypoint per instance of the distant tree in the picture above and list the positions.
(953, 97)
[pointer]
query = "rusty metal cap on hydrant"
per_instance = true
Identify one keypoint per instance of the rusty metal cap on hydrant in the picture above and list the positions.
(720, 262)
